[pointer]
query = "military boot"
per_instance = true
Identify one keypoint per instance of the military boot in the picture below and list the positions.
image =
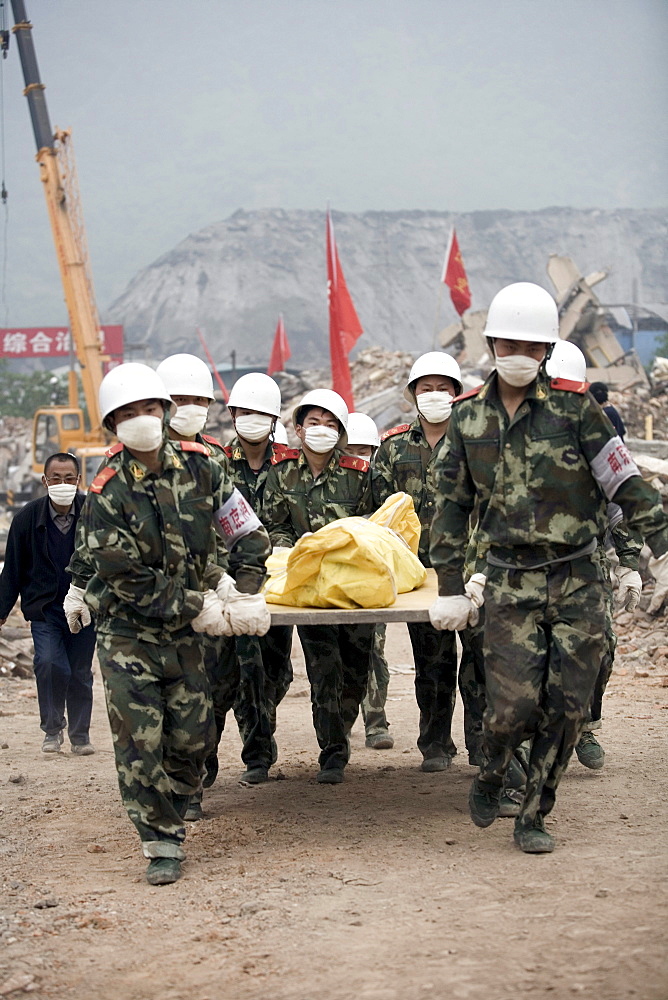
(589, 751)
(163, 871)
(193, 811)
(255, 775)
(483, 802)
(533, 839)
(379, 741)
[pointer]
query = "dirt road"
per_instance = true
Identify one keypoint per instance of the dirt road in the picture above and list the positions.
(377, 889)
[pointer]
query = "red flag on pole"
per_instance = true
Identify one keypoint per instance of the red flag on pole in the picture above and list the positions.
(280, 351)
(454, 276)
(217, 377)
(344, 326)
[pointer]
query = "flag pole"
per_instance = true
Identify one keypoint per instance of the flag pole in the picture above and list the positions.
(440, 287)
(219, 380)
(437, 317)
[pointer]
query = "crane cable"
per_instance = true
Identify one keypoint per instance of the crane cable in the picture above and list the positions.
(4, 48)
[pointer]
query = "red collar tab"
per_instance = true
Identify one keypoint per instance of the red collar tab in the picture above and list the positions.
(284, 454)
(568, 386)
(399, 429)
(114, 450)
(102, 478)
(467, 395)
(211, 440)
(351, 462)
(192, 446)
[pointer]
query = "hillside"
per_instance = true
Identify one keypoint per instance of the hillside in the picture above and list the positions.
(234, 277)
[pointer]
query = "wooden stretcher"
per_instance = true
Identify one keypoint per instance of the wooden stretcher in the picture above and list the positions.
(411, 607)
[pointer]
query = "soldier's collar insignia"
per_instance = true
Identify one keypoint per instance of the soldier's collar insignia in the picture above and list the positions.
(138, 471)
(540, 392)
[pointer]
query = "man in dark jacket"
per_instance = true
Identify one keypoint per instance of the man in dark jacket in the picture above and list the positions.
(40, 544)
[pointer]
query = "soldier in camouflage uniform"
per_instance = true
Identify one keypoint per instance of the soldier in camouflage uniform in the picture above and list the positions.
(264, 664)
(157, 583)
(405, 461)
(306, 489)
(536, 455)
(363, 442)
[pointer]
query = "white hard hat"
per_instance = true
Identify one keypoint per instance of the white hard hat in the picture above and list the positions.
(362, 430)
(186, 375)
(128, 383)
(567, 361)
(523, 311)
(280, 433)
(256, 391)
(433, 363)
(327, 399)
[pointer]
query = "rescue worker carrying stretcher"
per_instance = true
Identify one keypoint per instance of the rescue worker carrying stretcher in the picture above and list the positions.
(157, 584)
(538, 456)
(306, 489)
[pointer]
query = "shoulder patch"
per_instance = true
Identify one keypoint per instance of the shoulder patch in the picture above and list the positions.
(351, 462)
(114, 450)
(399, 429)
(192, 446)
(568, 386)
(210, 439)
(102, 478)
(227, 448)
(284, 454)
(467, 395)
(278, 448)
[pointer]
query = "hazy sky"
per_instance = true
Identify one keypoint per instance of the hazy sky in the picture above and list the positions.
(183, 111)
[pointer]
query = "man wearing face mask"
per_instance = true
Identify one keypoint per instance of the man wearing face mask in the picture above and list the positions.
(157, 586)
(306, 489)
(263, 671)
(40, 544)
(539, 458)
(363, 442)
(188, 381)
(405, 461)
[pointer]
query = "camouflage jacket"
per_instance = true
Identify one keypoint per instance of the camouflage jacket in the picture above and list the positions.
(405, 462)
(295, 502)
(150, 540)
(540, 479)
(246, 480)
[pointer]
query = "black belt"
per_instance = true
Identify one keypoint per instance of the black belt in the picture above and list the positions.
(586, 550)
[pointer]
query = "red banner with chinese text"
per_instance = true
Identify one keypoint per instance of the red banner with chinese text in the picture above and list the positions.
(55, 342)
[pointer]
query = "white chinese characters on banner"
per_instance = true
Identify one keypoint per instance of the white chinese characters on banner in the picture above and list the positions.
(53, 342)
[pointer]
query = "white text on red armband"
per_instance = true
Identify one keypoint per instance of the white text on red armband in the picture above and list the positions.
(613, 466)
(235, 519)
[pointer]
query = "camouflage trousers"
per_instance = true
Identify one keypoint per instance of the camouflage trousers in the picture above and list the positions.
(471, 682)
(435, 656)
(594, 720)
(265, 674)
(250, 674)
(160, 716)
(337, 658)
(373, 703)
(544, 641)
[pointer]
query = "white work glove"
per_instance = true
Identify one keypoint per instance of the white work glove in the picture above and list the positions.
(246, 614)
(453, 613)
(225, 587)
(210, 618)
(630, 587)
(76, 610)
(659, 570)
(474, 589)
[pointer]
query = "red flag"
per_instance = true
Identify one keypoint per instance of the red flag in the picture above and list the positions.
(217, 377)
(280, 352)
(454, 276)
(344, 326)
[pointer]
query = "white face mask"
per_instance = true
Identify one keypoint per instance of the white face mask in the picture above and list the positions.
(435, 407)
(142, 433)
(254, 427)
(62, 494)
(517, 370)
(189, 419)
(321, 439)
